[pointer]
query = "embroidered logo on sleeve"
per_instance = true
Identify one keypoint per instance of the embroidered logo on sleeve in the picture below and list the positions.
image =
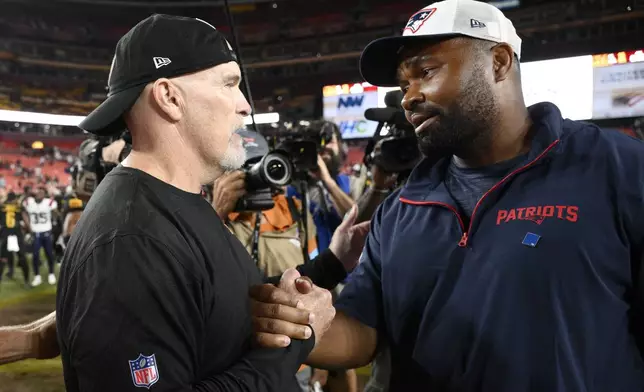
(144, 371)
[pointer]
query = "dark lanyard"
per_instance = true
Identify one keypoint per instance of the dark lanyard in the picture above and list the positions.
(255, 244)
(301, 225)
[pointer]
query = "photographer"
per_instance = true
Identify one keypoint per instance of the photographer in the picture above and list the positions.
(274, 236)
(329, 200)
(280, 235)
(329, 194)
(390, 155)
(381, 186)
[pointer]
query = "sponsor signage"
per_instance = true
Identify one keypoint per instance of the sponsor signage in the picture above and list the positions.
(618, 90)
(566, 82)
(599, 86)
(345, 104)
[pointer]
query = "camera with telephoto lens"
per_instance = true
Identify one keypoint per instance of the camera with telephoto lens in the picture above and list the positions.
(266, 171)
(394, 147)
(90, 168)
(303, 142)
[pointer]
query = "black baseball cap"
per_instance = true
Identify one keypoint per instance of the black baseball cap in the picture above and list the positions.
(161, 46)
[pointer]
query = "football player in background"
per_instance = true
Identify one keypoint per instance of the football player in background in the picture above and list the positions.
(12, 237)
(40, 215)
(72, 210)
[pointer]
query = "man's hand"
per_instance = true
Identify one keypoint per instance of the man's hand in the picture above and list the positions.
(227, 189)
(44, 339)
(290, 310)
(323, 172)
(112, 152)
(348, 240)
(36, 340)
(319, 375)
(381, 179)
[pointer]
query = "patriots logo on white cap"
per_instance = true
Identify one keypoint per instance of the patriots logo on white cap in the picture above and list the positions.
(418, 19)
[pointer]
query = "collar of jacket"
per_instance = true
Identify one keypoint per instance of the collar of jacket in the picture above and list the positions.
(547, 125)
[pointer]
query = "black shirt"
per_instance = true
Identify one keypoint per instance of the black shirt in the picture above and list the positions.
(154, 291)
(468, 185)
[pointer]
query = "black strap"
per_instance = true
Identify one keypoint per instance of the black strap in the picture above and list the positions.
(99, 170)
(255, 238)
(301, 222)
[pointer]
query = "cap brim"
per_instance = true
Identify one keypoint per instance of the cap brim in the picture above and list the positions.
(107, 118)
(379, 60)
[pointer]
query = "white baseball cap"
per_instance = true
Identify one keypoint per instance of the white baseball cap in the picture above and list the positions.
(442, 20)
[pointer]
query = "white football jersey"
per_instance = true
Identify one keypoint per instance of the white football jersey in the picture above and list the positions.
(40, 213)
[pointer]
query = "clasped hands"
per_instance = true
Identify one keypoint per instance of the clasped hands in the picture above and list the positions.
(295, 309)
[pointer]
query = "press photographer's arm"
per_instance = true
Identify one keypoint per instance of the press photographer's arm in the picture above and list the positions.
(376, 194)
(327, 269)
(341, 201)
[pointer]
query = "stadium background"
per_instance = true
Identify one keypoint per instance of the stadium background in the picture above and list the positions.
(301, 61)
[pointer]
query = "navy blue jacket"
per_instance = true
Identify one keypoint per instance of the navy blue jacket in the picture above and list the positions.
(540, 291)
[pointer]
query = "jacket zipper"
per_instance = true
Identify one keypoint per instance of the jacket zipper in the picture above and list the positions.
(465, 237)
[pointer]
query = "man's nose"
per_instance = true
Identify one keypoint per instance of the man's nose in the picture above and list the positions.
(244, 107)
(412, 97)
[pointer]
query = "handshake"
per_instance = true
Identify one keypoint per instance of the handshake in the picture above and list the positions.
(296, 309)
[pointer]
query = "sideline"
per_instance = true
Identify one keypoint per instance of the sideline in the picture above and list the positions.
(27, 296)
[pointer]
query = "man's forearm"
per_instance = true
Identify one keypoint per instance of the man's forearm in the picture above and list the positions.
(325, 271)
(15, 344)
(259, 371)
(341, 201)
(348, 344)
(34, 340)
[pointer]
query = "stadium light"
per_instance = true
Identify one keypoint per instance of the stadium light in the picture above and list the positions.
(263, 118)
(73, 121)
(39, 118)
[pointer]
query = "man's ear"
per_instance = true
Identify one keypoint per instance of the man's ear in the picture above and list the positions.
(166, 96)
(503, 61)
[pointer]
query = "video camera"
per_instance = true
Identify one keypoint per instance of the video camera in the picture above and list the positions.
(265, 172)
(394, 147)
(90, 168)
(294, 154)
(304, 141)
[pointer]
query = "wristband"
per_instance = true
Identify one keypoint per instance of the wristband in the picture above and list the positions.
(381, 191)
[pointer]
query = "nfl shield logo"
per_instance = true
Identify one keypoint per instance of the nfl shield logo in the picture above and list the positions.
(144, 371)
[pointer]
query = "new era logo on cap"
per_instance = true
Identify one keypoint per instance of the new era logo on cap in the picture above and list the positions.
(161, 61)
(475, 23)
